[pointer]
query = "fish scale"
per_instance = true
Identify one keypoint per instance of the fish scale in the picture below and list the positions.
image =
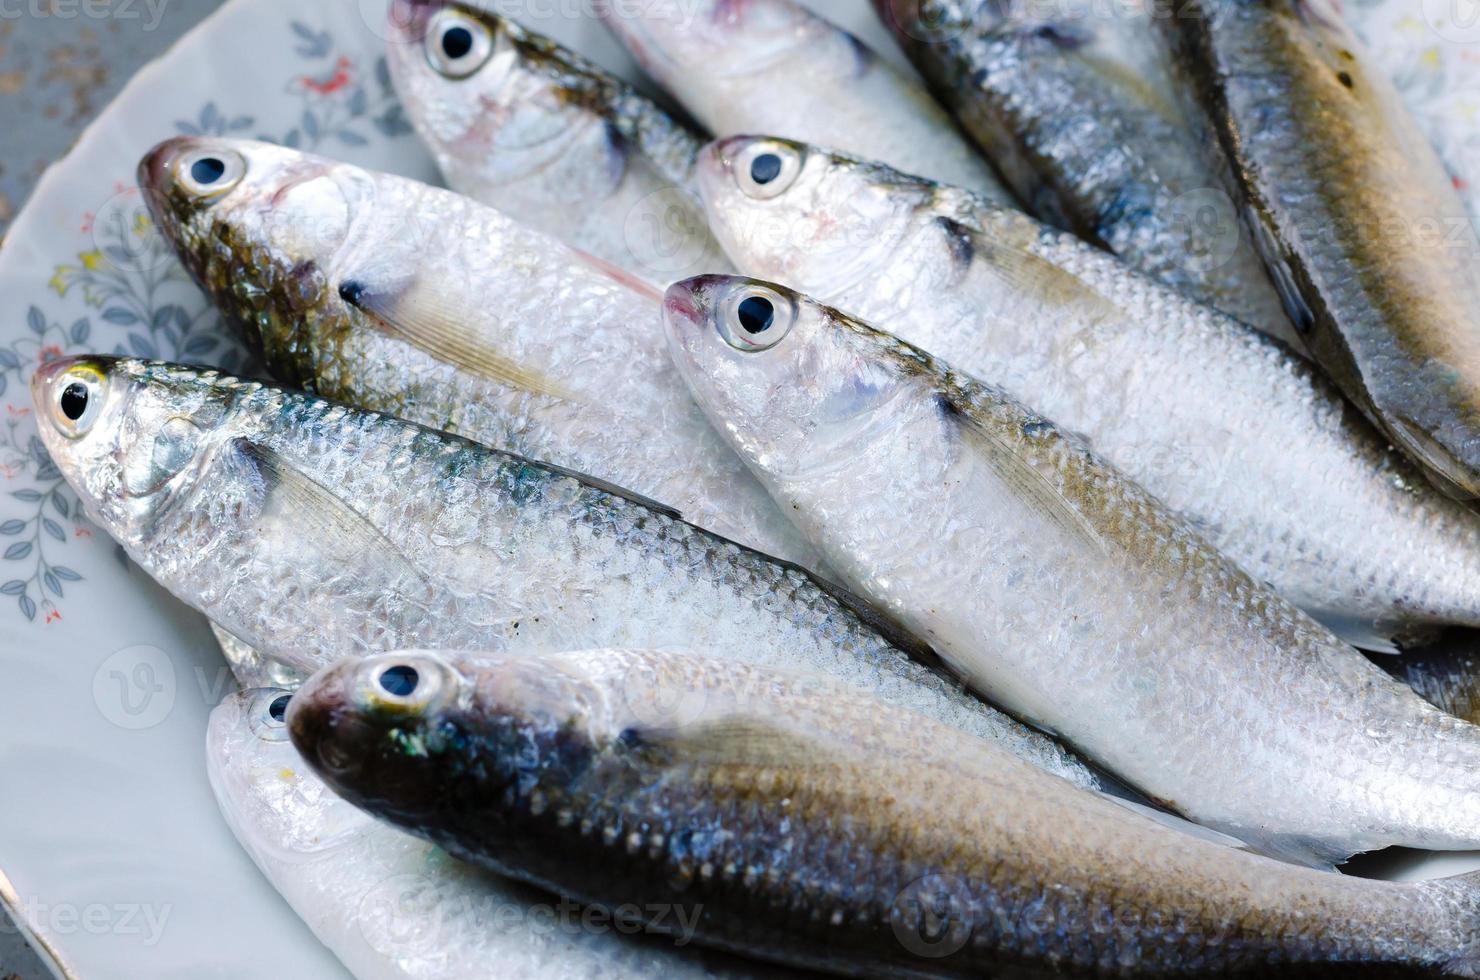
(313, 531)
(1356, 215)
(1057, 587)
(393, 907)
(466, 321)
(552, 140)
(1075, 104)
(1198, 409)
(811, 825)
(775, 66)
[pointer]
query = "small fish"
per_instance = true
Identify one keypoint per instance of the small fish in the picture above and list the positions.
(313, 531)
(1073, 100)
(792, 819)
(390, 905)
(1227, 427)
(529, 127)
(398, 297)
(773, 66)
(1354, 214)
(1064, 592)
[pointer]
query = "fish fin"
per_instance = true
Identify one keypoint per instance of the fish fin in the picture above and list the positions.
(1300, 851)
(432, 321)
(252, 669)
(1030, 274)
(725, 741)
(605, 486)
(1022, 476)
(1180, 824)
(1444, 471)
(317, 515)
(1360, 633)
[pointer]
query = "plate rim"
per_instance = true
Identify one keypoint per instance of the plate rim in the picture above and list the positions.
(47, 949)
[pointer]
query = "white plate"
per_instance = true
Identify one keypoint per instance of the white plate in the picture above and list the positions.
(115, 853)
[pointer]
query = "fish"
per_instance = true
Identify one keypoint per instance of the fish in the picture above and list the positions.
(386, 293)
(1353, 213)
(531, 128)
(312, 531)
(387, 903)
(1074, 103)
(775, 66)
(1445, 673)
(1058, 588)
(792, 819)
(1234, 432)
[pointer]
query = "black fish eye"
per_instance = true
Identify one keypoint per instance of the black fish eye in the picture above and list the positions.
(279, 707)
(756, 314)
(207, 170)
(457, 42)
(74, 400)
(765, 168)
(399, 680)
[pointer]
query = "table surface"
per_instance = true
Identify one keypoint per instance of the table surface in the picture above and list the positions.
(61, 63)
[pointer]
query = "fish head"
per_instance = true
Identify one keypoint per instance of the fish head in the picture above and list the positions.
(260, 227)
(130, 436)
(390, 732)
(731, 39)
(816, 219)
(495, 103)
(789, 382)
(275, 804)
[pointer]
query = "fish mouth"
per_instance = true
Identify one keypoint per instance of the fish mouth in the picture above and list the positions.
(154, 171)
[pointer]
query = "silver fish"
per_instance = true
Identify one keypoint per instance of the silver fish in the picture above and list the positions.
(799, 821)
(520, 123)
(1354, 212)
(389, 294)
(1073, 101)
(390, 905)
(773, 66)
(313, 531)
(1226, 427)
(1061, 590)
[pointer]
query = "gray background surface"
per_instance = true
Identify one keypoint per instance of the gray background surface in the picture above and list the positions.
(61, 62)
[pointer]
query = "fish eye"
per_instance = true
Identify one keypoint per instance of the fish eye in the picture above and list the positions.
(457, 45)
(406, 683)
(77, 398)
(209, 173)
(269, 713)
(766, 168)
(398, 681)
(755, 318)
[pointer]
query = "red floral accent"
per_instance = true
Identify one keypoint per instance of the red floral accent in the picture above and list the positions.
(334, 82)
(17, 412)
(82, 532)
(49, 353)
(1460, 184)
(53, 616)
(87, 222)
